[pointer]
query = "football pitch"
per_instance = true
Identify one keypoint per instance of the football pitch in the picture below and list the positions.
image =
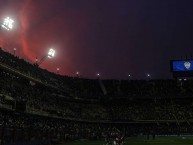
(143, 141)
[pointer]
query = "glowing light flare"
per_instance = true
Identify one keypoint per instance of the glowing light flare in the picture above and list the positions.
(7, 24)
(51, 53)
(148, 75)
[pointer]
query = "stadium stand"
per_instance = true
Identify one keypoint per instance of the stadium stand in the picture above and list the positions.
(61, 108)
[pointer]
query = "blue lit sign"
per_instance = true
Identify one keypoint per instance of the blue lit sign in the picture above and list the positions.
(184, 65)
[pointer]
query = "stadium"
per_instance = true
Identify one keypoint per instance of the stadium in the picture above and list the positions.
(40, 107)
(43, 103)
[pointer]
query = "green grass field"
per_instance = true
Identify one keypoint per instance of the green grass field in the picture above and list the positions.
(143, 141)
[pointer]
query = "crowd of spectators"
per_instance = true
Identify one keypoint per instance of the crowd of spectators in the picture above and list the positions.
(26, 127)
(74, 108)
(52, 102)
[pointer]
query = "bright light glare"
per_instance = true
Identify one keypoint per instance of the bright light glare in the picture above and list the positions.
(148, 75)
(7, 24)
(51, 53)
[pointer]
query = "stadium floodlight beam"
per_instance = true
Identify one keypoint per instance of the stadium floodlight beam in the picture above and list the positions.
(50, 54)
(7, 23)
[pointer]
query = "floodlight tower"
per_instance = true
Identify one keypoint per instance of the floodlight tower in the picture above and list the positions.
(7, 24)
(129, 76)
(98, 75)
(50, 54)
(77, 74)
(14, 50)
(148, 75)
(58, 70)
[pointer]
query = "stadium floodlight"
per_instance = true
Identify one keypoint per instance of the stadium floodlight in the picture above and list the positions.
(51, 53)
(58, 70)
(148, 75)
(8, 23)
(77, 74)
(129, 76)
(14, 50)
(98, 75)
(36, 59)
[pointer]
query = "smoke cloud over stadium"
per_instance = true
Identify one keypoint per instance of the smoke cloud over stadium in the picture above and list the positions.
(114, 38)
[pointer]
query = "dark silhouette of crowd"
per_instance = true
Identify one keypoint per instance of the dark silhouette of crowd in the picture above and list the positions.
(62, 108)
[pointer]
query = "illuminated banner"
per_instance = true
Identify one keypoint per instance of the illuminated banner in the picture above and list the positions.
(182, 65)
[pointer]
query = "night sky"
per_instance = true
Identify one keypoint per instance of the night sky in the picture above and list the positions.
(111, 37)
